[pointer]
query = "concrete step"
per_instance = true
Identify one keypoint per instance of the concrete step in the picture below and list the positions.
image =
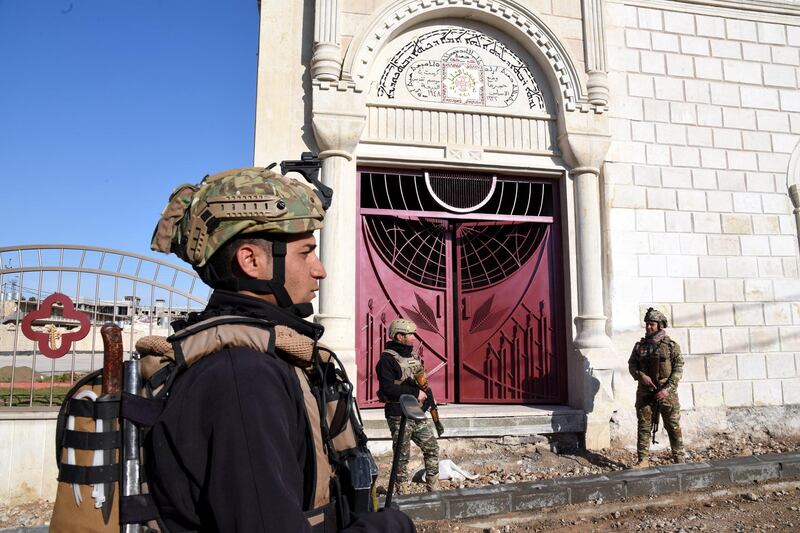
(471, 420)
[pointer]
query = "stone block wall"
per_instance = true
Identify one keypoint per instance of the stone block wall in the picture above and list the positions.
(705, 114)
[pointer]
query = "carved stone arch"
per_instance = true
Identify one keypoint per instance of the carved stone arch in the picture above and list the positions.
(516, 21)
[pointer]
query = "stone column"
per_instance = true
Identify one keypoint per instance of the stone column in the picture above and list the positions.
(594, 48)
(338, 118)
(591, 320)
(584, 142)
(326, 63)
(794, 195)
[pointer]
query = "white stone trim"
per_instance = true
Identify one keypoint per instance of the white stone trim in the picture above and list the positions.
(594, 46)
(447, 127)
(507, 15)
(778, 11)
(793, 172)
(793, 179)
(326, 62)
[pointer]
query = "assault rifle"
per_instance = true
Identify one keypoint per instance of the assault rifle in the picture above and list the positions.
(429, 403)
(656, 414)
(655, 405)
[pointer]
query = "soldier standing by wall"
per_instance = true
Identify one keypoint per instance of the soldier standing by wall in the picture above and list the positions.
(396, 368)
(657, 364)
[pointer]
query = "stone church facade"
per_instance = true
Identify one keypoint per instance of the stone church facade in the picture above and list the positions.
(525, 178)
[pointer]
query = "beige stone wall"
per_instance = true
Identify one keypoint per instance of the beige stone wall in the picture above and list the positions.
(705, 114)
(28, 470)
(283, 96)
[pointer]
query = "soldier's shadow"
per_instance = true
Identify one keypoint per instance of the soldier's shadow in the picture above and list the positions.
(599, 460)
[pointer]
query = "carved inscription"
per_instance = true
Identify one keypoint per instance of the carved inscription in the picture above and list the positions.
(460, 66)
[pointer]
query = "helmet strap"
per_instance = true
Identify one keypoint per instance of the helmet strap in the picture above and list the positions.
(274, 286)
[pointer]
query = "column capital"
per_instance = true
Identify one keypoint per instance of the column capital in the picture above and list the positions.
(338, 118)
(584, 139)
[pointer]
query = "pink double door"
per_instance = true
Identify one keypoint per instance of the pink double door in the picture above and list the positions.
(483, 295)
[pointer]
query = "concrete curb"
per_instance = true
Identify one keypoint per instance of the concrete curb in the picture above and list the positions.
(529, 496)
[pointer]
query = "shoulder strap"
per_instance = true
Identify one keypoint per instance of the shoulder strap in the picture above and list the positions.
(323, 469)
(210, 336)
(218, 321)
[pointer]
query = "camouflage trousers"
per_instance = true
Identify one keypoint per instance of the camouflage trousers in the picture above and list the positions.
(670, 411)
(423, 436)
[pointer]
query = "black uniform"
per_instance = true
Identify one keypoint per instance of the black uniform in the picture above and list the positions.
(388, 371)
(232, 450)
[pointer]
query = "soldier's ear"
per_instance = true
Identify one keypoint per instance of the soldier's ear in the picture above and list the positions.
(253, 261)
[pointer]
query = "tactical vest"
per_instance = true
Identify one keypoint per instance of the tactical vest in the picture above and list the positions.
(655, 360)
(343, 464)
(409, 366)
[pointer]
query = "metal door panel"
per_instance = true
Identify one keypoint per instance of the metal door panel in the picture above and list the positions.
(403, 268)
(505, 322)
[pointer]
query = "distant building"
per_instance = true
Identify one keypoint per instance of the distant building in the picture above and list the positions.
(99, 312)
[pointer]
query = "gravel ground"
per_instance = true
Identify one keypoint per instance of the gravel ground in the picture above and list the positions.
(514, 460)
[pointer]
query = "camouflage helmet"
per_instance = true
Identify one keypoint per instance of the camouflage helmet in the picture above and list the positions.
(199, 219)
(401, 325)
(654, 315)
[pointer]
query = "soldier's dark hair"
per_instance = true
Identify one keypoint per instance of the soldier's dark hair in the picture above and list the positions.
(223, 264)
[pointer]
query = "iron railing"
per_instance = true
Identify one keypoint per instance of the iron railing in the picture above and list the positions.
(141, 294)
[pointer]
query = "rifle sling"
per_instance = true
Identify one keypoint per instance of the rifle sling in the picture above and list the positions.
(140, 410)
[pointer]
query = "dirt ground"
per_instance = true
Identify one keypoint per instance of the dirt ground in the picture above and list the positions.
(515, 459)
(519, 459)
(770, 507)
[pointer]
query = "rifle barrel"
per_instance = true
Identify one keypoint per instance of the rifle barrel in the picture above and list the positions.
(131, 470)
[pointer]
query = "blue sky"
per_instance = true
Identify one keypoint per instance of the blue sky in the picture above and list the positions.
(107, 105)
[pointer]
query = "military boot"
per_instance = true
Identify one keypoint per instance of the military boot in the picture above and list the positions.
(678, 458)
(432, 484)
(643, 462)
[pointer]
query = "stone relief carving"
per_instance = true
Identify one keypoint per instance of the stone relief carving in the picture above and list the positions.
(479, 70)
(512, 19)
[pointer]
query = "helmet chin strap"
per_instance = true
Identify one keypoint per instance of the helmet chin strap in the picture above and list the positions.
(274, 286)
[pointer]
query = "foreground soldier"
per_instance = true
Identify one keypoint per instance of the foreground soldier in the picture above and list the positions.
(236, 448)
(396, 368)
(657, 364)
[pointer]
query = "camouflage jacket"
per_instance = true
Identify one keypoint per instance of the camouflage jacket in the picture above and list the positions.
(658, 357)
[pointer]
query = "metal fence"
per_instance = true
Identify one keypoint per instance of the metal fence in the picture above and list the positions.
(140, 294)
